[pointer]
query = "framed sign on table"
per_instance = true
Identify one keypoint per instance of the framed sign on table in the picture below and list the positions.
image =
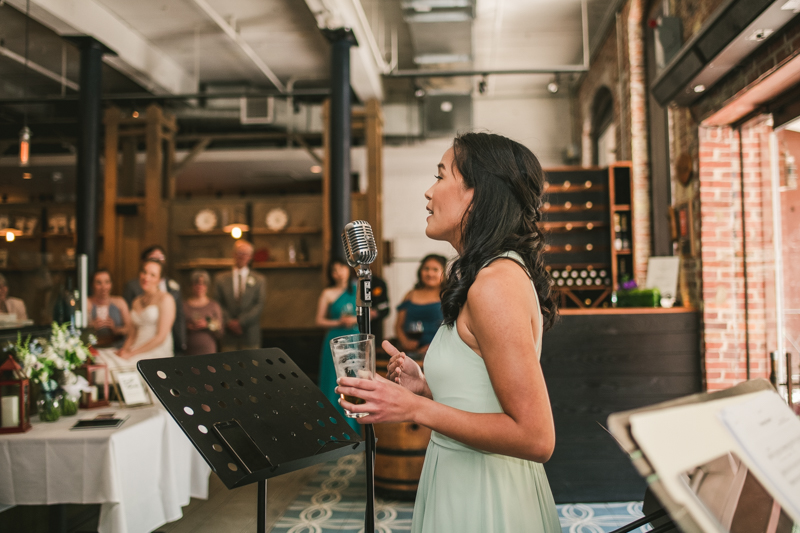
(130, 388)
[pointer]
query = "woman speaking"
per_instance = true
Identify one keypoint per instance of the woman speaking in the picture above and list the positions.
(483, 393)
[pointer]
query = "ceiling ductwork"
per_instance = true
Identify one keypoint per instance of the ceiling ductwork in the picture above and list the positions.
(441, 30)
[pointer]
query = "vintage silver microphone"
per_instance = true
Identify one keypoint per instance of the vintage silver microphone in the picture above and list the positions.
(361, 251)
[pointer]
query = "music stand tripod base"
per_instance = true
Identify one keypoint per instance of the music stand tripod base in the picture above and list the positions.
(251, 414)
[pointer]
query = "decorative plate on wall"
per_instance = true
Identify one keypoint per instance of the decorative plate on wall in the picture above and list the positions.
(277, 219)
(205, 220)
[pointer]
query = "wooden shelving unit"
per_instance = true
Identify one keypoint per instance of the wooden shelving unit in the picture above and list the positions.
(578, 220)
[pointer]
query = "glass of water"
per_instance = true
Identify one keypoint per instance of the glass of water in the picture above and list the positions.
(354, 357)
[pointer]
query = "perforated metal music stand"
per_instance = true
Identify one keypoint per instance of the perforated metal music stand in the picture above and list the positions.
(281, 410)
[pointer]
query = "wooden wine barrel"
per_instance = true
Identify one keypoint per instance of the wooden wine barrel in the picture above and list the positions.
(399, 454)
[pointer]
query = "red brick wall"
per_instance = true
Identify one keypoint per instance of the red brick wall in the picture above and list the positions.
(723, 269)
(630, 115)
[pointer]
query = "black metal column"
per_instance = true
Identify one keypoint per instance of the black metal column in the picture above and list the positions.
(88, 168)
(340, 181)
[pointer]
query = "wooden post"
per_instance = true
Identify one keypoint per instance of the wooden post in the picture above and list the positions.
(326, 191)
(111, 121)
(153, 187)
(374, 142)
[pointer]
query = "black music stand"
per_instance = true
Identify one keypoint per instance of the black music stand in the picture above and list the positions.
(290, 421)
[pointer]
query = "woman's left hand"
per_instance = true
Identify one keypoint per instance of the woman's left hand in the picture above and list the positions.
(385, 401)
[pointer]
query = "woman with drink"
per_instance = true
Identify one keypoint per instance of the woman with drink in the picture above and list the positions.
(420, 314)
(108, 315)
(336, 310)
(483, 393)
(203, 317)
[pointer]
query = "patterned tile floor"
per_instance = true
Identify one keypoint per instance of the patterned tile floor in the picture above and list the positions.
(333, 501)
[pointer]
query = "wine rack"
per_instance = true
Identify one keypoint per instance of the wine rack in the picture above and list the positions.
(586, 217)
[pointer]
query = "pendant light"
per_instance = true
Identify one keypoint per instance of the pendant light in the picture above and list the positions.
(25, 134)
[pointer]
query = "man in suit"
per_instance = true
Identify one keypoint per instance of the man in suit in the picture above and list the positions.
(133, 289)
(241, 293)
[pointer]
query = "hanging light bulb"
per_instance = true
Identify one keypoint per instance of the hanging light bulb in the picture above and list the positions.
(24, 146)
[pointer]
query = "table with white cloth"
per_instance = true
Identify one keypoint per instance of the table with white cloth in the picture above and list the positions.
(140, 473)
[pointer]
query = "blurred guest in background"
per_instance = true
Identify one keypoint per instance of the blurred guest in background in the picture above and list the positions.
(203, 317)
(133, 289)
(108, 315)
(152, 315)
(420, 314)
(9, 305)
(336, 311)
(241, 293)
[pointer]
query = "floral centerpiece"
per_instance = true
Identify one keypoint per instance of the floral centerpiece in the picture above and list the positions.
(51, 364)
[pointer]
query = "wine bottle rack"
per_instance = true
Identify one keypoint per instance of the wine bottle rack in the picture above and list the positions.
(586, 217)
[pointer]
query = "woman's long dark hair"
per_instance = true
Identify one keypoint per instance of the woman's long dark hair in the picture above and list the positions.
(507, 180)
(331, 282)
(442, 260)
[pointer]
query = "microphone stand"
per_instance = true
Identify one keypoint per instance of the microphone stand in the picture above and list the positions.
(363, 308)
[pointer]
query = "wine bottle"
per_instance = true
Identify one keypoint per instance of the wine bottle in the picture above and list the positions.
(579, 282)
(617, 232)
(625, 234)
(570, 282)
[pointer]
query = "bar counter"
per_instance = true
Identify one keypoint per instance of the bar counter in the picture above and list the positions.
(597, 362)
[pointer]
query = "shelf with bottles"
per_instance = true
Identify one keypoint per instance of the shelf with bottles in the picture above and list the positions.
(557, 227)
(217, 264)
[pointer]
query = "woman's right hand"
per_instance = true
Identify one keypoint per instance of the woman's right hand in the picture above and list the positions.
(404, 370)
(348, 321)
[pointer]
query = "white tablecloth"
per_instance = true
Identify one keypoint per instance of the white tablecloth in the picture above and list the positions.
(141, 473)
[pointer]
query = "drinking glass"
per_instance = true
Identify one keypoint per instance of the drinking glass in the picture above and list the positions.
(415, 330)
(354, 357)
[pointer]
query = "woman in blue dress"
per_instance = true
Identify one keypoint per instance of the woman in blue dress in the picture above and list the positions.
(483, 392)
(336, 311)
(420, 314)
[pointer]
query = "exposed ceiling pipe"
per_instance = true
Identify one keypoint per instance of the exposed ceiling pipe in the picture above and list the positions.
(145, 97)
(39, 68)
(585, 33)
(562, 69)
(231, 32)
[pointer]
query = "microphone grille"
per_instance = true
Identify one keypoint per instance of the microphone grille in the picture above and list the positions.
(359, 243)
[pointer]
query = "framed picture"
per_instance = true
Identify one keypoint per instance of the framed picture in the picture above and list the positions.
(130, 388)
(682, 228)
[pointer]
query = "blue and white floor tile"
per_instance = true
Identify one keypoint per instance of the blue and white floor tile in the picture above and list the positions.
(334, 501)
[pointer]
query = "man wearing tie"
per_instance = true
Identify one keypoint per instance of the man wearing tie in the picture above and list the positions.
(241, 294)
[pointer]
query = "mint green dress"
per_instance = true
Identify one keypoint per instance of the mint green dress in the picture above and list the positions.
(345, 304)
(463, 489)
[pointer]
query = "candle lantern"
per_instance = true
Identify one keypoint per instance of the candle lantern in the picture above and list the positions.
(15, 390)
(97, 375)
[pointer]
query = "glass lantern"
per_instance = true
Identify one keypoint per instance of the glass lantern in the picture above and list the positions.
(97, 396)
(15, 390)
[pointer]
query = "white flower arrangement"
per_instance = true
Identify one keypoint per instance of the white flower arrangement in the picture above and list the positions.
(63, 353)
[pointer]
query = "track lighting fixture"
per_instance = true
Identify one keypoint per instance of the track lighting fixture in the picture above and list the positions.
(553, 86)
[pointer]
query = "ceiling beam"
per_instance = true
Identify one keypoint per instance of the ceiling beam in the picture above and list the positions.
(36, 67)
(136, 57)
(366, 63)
(234, 36)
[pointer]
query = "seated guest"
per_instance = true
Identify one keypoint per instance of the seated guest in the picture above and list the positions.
(152, 314)
(108, 315)
(134, 289)
(420, 314)
(203, 317)
(9, 305)
(241, 293)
